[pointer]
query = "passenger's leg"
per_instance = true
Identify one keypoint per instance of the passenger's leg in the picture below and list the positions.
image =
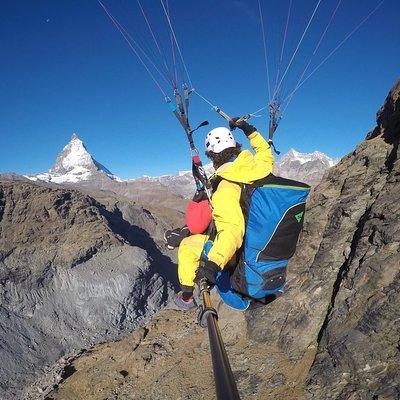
(189, 254)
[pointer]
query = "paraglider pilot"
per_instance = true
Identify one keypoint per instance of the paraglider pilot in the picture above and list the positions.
(233, 168)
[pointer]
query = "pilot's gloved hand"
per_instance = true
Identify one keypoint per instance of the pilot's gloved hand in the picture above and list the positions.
(238, 122)
(208, 271)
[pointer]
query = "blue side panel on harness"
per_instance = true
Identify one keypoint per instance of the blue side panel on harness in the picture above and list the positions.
(274, 210)
(228, 295)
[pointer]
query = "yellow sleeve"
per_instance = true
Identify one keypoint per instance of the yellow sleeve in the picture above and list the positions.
(229, 223)
(262, 149)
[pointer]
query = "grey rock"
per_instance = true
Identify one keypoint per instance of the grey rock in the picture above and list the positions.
(72, 273)
(12, 176)
(277, 380)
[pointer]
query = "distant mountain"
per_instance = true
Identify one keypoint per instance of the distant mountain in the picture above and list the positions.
(306, 167)
(76, 168)
(74, 164)
(181, 184)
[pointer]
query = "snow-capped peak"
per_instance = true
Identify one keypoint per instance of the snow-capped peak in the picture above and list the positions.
(307, 167)
(73, 155)
(294, 156)
(181, 183)
(73, 164)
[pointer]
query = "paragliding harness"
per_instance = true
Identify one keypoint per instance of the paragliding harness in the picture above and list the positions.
(274, 119)
(274, 209)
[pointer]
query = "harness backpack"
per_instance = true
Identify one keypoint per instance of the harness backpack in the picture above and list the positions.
(274, 209)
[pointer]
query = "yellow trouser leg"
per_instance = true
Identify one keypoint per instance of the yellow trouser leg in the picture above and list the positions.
(189, 259)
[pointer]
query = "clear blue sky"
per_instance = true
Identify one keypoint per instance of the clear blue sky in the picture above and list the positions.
(64, 68)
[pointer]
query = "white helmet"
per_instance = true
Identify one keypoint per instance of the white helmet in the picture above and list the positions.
(219, 139)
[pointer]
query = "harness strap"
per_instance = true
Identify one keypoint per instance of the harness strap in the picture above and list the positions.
(274, 119)
(181, 115)
(186, 93)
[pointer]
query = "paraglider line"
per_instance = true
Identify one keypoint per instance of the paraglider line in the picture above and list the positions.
(283, 45)
(296, 50)
(338, 46)
(290, 96)
(176, 42)
(121, 30)
(265, 48)
(156, 42)
(172, 49)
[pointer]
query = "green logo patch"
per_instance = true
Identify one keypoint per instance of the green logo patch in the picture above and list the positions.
(299, 216)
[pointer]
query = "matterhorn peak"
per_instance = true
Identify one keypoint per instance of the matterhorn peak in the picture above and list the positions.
(73, 155)
(74, 164)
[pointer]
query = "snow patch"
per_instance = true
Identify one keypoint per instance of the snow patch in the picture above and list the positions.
(77, 155)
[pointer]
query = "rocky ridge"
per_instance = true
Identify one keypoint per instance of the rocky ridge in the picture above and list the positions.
(73, 272)
(333, 335)
(342, 298)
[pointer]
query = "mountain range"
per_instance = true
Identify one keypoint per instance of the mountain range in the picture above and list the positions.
(74, 165)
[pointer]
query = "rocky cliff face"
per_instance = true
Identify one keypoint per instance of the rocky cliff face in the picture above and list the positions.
(358, 352)
(343, 297)
(333, 335)
(73, 272)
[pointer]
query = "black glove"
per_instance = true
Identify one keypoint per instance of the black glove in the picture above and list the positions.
(174, 237)
(243, 125)
(208, 271)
